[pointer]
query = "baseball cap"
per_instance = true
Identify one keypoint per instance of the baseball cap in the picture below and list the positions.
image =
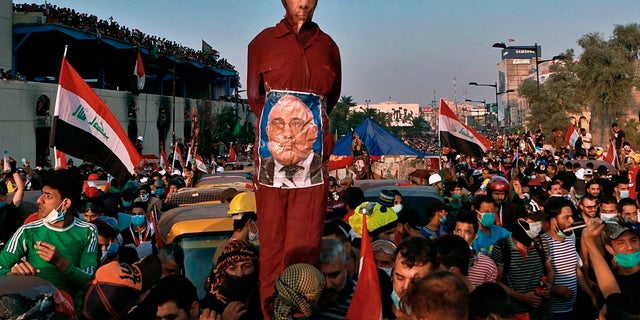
(614, 230)
(117, 285)
(529, 209)
(588, 172)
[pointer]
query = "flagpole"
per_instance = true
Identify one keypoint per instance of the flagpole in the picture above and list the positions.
(441, 169)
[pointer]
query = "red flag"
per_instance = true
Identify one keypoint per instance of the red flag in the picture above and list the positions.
(84, 127)
(138, 71)
(455, 134)
(163, 159)
(366, 303)
(61, 160)
(571, 136)
(232, 153)
(612, 154)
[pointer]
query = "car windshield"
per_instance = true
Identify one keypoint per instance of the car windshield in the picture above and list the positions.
(198, 254)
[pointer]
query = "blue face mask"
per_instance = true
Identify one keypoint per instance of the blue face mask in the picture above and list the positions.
(396, 303)
(159, 192)
(624, 194)
(138, 220)
(628, 260)
(487, 219)
(443, 220)
(126, 204)
(112, 249)
(2, 204)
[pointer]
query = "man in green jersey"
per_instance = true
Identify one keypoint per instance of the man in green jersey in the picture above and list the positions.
(60, 247)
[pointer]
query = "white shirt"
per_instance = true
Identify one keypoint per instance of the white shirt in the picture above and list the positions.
(300, 179)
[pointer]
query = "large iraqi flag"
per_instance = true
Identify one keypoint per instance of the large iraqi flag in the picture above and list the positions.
(456, 135)
(84, 127)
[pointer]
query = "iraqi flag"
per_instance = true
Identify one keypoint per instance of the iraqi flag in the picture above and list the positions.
(456, 135)
(84, 127)
(200, 164)
(177, 156)
(366, 303)
(138, 71)
(572, 136)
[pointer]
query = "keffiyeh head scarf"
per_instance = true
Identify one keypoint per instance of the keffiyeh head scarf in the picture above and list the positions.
(224, 285)
(298, 289)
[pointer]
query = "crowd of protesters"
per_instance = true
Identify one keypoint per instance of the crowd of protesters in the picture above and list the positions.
(111, 28)
(519, 235)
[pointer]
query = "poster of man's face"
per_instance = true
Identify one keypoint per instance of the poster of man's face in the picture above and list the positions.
(290, 140)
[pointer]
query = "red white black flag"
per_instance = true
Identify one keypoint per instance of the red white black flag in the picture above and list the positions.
(84, 127)
(138, 71)
(456, 135)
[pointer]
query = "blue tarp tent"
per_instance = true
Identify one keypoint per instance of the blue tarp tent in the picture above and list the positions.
(378, 141)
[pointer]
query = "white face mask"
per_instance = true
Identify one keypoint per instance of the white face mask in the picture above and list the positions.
(253, 236)
(55, 216)
(608, 216)
(397, 208)
(534, 228)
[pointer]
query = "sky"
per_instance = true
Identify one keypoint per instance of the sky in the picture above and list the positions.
(399, 50)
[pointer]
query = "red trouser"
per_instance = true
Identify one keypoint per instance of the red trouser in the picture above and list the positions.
(290, 222)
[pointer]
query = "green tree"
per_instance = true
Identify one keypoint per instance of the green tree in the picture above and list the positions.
(606, 74)
(339, 115)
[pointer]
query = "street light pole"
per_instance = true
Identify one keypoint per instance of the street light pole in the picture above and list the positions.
(495, 87)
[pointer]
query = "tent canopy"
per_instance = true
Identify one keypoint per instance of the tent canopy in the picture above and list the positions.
(378, 141)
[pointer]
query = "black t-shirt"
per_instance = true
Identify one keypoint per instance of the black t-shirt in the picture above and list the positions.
(630, 285)
(618, 135)
(10, 220)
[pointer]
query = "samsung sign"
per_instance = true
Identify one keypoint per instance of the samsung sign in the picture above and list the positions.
(520, 52)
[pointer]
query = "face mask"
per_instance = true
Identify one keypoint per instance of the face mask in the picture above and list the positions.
(55, 216)
(443, 220)
(397, 208)
(608, 216)
(396, 303)
(111, 252)
(624, 194)
(144, 197)
(2, 204)
(138, 220)
(457, 196)
(628, 260)
(487, 219)
(126, 204)
(561, 234)
(534, 228)
(159, 192)
(253, 236)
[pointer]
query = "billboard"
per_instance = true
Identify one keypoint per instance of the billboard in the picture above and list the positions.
(521, 52)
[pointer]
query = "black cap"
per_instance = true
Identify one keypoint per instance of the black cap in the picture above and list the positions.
(529, 209)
